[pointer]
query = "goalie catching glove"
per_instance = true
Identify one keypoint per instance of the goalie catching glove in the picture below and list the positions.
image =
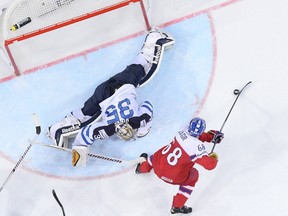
(217, 136)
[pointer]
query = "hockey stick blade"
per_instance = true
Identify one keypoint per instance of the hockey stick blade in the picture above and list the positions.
(101, 157)
(58, 201)
(246, 85)
(36, 123)
(38, 131)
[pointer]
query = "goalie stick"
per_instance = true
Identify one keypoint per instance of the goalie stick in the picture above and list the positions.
(102, 157)
(238, 93)
(38, 131)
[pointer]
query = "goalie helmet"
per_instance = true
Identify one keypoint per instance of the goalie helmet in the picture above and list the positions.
(196, 127)
(125, 131)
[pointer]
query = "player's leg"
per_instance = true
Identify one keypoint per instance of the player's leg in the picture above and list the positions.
(151, 53)
(132, 74)
(184, 192)
(102, 92)
(147, 62)
(68, 127)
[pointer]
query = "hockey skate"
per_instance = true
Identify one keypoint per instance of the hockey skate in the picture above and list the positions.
(154, 45)
(61, 131)
(137, 169)
(182, 210)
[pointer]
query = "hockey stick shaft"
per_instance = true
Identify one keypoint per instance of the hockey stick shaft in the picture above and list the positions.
(38, 131)
(16, 166)
(58, 201)
(101, 157)
(230, 112)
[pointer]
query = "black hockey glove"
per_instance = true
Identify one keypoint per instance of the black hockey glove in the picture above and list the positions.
(217, 136)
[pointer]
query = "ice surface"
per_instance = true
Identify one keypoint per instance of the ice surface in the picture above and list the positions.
(215, 52)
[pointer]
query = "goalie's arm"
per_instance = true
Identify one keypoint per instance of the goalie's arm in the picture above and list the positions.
(142, 122)
(145, 115)
(139, 121)
(103, 132)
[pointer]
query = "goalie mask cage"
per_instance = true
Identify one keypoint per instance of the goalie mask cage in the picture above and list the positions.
(38, 32)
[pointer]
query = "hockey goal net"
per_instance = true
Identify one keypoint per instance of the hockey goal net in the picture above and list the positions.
(33, 29)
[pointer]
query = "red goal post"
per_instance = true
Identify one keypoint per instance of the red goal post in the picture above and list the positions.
(27, 25)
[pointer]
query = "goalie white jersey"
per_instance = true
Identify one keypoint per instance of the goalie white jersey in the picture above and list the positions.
(120, 106)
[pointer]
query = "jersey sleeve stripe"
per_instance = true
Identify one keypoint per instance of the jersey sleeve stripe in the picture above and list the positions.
(85, 135)
(148, 106)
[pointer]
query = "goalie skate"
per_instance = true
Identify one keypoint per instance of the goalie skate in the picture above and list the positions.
(155, 44)
(61, 131)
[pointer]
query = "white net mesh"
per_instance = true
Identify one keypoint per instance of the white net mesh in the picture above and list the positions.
(68, 27)
(32, 15)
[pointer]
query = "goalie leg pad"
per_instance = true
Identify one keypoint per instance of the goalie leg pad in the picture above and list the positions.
(155, 44)
(61, 131)
(79, 155)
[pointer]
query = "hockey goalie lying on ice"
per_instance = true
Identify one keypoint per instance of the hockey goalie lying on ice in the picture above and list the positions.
(113, 107)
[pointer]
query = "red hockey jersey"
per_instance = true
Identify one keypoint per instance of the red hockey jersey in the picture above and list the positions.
(173, 162)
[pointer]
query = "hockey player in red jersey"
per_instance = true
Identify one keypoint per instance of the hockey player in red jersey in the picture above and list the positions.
(175, 162)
